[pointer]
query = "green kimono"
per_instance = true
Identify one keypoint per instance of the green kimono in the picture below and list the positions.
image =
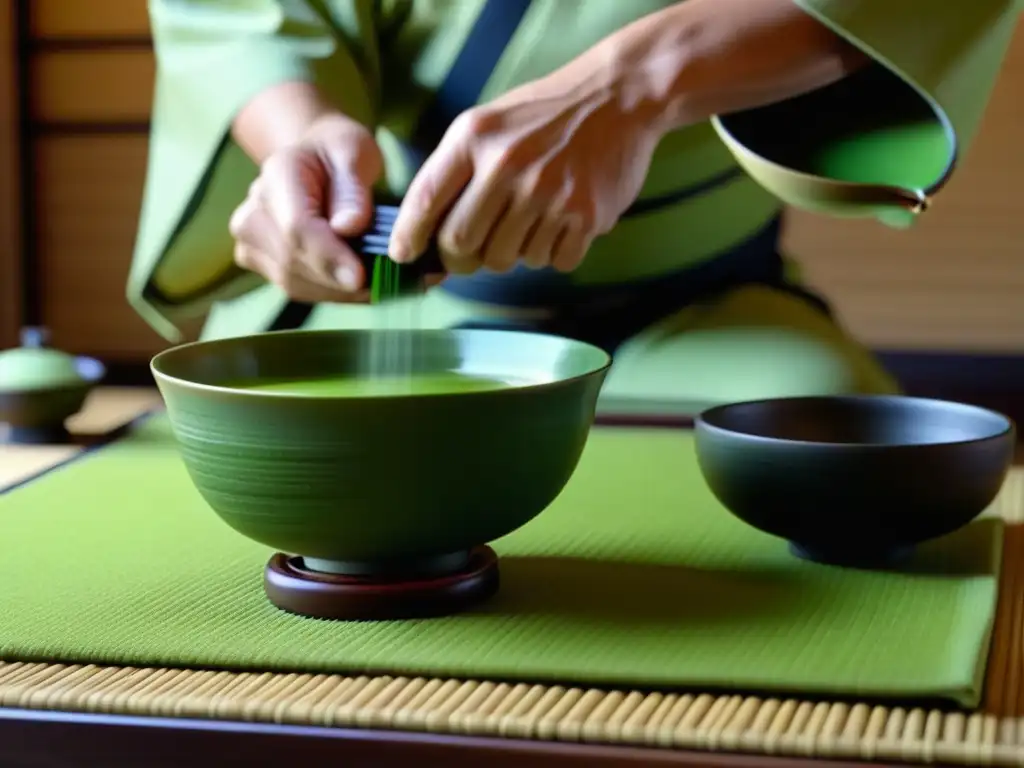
(749, 342)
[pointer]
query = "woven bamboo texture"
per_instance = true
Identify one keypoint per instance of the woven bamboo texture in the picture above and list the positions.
(994, 735)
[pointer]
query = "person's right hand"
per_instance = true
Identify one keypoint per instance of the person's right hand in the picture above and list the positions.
(306, 199)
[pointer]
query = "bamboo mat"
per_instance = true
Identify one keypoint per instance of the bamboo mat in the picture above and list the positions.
(994, 735)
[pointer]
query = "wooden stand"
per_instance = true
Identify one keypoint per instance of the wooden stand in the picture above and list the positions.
(293, 588)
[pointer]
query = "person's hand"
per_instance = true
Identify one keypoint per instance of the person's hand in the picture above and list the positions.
(534, 176)
(306, 199)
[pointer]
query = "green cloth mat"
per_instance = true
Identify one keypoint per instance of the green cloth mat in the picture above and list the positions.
(634, 577)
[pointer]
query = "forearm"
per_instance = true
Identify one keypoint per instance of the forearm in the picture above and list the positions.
(279, 117)
(699, 58)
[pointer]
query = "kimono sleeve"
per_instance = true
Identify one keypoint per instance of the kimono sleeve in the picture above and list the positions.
(945, 53)
(212, 58)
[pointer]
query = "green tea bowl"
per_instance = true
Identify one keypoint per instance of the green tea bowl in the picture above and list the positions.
(458, 438)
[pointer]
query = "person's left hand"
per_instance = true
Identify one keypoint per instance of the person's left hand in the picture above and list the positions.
(534, 176)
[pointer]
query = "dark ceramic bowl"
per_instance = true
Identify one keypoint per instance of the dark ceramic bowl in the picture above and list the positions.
(37, 414)
(387, 484)
(854, 480)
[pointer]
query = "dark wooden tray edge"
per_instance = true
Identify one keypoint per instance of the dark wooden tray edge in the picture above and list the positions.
(76, 740)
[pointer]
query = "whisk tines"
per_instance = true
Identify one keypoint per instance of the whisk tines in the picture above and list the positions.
(389, 280)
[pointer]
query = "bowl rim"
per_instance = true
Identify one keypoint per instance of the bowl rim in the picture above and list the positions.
(704, 421)
(95, 369)
(161, 376)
